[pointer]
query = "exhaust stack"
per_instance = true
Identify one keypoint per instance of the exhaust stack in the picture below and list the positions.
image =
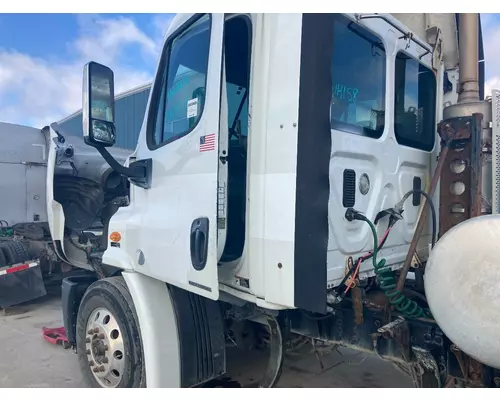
(468, 58)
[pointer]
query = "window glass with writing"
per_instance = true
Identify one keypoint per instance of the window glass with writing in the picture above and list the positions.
(358, 77)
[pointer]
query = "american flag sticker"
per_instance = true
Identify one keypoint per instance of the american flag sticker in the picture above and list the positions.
(207, 142)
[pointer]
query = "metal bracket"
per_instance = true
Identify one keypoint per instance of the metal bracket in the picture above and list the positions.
(389, 329)
(64, 153)
(434, 38)
(398, 331)
(428, 362)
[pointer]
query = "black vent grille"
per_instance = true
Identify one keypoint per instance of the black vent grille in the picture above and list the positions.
(349, 188)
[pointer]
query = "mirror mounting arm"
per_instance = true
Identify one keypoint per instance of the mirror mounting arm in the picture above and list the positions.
(139, 172)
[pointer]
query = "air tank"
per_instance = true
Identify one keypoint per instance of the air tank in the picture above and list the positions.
(462, 281)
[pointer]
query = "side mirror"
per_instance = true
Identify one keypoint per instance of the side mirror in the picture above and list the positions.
(98, 110)
(98, 114)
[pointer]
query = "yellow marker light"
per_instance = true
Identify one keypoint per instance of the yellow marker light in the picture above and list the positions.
(115, 237)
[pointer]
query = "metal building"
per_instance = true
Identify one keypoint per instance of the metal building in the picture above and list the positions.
(130, 107)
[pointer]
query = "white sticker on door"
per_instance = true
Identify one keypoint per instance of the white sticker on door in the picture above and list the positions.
(192, 108)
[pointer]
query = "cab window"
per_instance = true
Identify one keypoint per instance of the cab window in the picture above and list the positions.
(358, 69)
(415, 103)
(181, 96)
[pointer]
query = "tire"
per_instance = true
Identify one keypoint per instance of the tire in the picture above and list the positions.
(110, 297)
(3, 259)
(15, 252)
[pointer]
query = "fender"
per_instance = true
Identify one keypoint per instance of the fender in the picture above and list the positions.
(182, 333)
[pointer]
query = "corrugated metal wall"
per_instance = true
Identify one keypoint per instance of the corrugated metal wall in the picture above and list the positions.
(129, 111)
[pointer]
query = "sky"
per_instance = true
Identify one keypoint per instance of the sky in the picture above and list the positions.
(42, 58)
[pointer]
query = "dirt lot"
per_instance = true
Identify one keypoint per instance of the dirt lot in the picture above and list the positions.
(26, 360)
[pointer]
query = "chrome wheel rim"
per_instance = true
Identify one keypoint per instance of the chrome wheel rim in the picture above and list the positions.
(104, 348)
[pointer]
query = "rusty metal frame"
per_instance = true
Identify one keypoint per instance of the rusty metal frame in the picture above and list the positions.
(463, 136)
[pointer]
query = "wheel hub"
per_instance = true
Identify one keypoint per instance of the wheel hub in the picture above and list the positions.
(98, 349)
(104, 348)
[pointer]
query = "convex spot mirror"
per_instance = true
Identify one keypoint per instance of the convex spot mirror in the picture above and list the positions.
(98, 109)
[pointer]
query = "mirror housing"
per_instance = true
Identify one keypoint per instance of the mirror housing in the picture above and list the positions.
(98, 111)
(98, 114)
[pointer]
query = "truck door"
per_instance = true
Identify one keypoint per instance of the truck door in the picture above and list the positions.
(177, 234)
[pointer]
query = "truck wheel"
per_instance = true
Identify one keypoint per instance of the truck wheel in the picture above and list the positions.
(108, 339)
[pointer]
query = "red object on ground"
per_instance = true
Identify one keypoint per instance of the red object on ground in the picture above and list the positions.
(56, 336)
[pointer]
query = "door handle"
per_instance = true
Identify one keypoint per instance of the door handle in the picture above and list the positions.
(199, 243)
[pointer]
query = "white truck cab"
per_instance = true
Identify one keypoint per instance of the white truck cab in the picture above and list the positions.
(242, 194)
(260, 132)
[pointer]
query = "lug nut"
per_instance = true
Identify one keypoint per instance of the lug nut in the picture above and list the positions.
(106, 347)
(96, 330)
(91, 363)
(101, 336)
(87, 340)
(101, 368)
(90, 331)
(87, 352)
(105, 360)
(96, 369)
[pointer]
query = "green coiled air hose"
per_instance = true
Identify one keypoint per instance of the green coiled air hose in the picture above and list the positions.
(403, 304)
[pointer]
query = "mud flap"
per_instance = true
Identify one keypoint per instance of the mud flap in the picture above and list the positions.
(73, 289)
(21, 286)
(201, 337)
